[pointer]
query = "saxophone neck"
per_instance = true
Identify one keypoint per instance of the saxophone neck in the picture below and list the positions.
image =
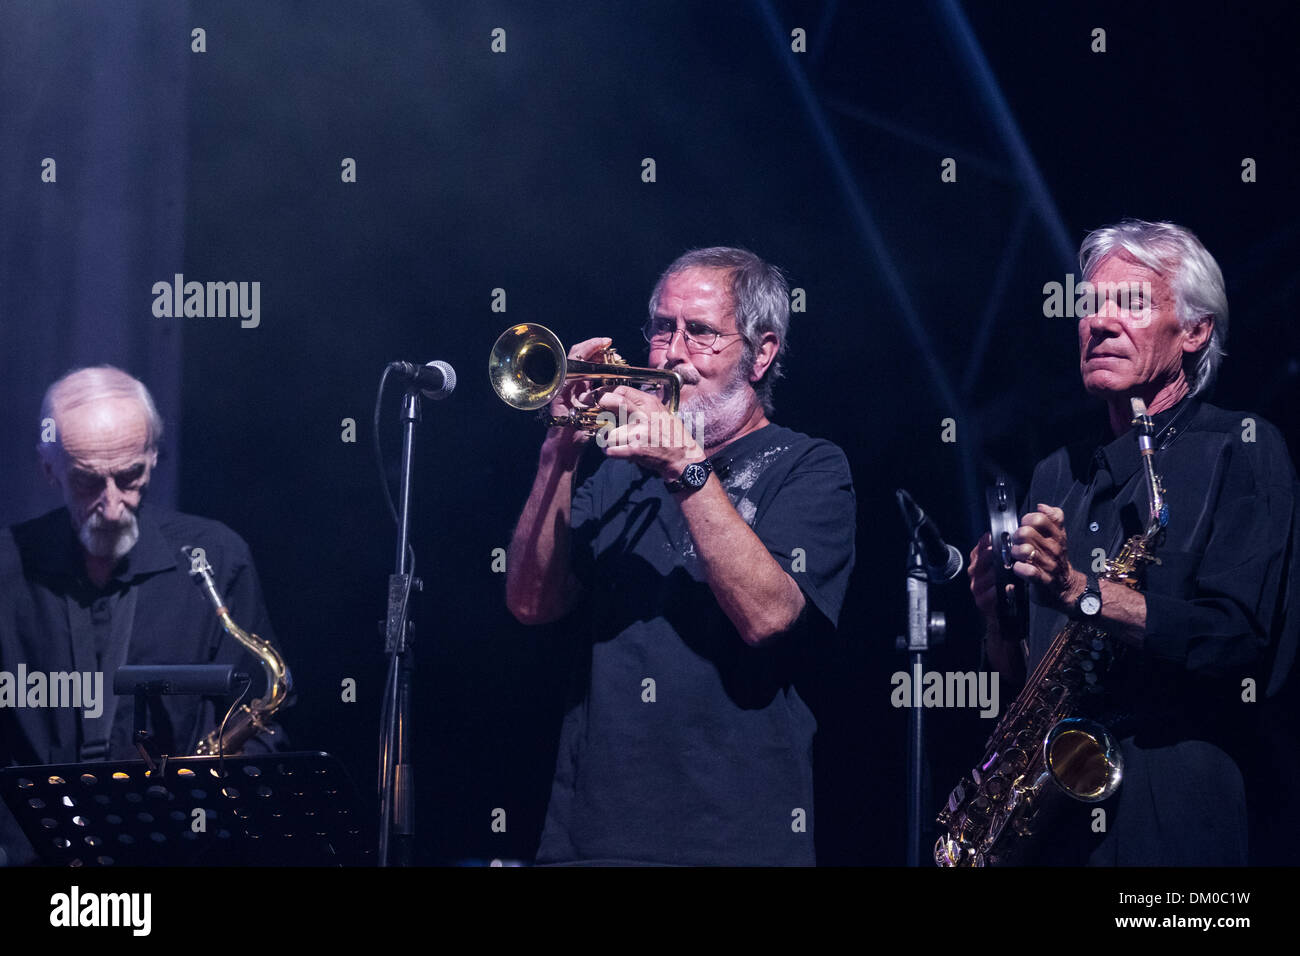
(1158, 511)
(279, 682)
(1139, 550)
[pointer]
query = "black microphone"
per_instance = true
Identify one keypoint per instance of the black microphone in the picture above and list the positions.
(942, 561)
(436, 380)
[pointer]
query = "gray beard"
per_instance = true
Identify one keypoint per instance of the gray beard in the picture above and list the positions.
(721, 415)
(102, 540)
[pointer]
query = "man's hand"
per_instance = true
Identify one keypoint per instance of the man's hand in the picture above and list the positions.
(651, 436)
(575, 394)
(983, 571)
(1042, 555)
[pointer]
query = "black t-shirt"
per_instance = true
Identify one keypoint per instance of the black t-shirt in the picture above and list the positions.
(683, 744)
(1216, 614)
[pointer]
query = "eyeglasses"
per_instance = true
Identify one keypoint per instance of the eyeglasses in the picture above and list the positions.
(699, 336)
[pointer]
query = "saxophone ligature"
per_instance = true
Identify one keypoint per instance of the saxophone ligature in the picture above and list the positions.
(1049, 743)
(248, 720)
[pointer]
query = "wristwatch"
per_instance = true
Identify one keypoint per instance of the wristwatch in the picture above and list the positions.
(1089, 603)
(693, 478)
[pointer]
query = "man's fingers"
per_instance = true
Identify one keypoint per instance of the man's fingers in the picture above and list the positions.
(1035, 539)
(1030, 572)
(1045, 523)
(587, 347)
(1056, 514)
(632, 396)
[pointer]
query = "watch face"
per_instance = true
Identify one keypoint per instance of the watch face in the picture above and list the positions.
(695, 475)
(1090, 604)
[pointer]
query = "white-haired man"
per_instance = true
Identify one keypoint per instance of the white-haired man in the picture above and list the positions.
(1211, 621)
(707, 561)
(102, 582)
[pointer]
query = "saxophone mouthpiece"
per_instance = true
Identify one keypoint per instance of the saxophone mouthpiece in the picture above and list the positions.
(197, 559)
(1142, 422)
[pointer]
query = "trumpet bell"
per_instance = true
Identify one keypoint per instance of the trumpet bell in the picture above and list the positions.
(527, 366)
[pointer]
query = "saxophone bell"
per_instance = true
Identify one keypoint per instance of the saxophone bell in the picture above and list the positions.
(1083, 759)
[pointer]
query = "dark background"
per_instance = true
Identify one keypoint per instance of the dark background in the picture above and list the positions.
(522, 171)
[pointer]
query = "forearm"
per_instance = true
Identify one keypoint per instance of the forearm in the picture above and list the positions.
(753, 590)
(540, 586)
(1125, 611)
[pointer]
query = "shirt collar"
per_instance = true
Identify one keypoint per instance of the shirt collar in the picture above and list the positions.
(151, 553)
(58, 550)
(1121, 456)
(724, 459)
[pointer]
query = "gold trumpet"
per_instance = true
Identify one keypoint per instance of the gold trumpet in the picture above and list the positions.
(528, 367)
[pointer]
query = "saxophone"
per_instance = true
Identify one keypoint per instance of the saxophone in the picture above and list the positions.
(1047, 744)
(249, 719)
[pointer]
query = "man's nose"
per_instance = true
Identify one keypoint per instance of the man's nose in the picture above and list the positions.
(1104, 323)
(677, 346)
(112, 503)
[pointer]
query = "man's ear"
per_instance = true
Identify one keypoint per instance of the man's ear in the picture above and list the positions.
(1196, 337)
(764, 356)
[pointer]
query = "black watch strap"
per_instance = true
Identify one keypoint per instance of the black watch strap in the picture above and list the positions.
(693, 478)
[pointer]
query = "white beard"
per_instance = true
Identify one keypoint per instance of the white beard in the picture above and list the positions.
(102, 540)
(721, 415)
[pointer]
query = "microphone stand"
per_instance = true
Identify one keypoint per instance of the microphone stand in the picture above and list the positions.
(397, 811)
(923, 631)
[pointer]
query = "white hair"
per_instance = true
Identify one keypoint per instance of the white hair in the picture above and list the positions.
(1196, 281)
(86, 385)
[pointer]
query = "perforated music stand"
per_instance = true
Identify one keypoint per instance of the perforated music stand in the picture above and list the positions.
(293, 809)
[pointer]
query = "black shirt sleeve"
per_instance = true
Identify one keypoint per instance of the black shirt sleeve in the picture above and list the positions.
(1217, 616)
(809, 527)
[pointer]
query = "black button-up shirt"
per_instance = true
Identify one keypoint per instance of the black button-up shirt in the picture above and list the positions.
(151, 611)
(1215, 616)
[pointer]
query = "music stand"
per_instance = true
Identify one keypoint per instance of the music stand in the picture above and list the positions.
(291, 809)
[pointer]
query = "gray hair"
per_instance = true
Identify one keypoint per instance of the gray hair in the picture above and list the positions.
(1197, 282)
(86, 385)
(760, 299)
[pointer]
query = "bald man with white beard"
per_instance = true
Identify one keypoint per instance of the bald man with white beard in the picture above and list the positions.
(102, 582)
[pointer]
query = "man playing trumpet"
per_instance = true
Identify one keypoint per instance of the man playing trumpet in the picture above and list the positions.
(703, 563)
